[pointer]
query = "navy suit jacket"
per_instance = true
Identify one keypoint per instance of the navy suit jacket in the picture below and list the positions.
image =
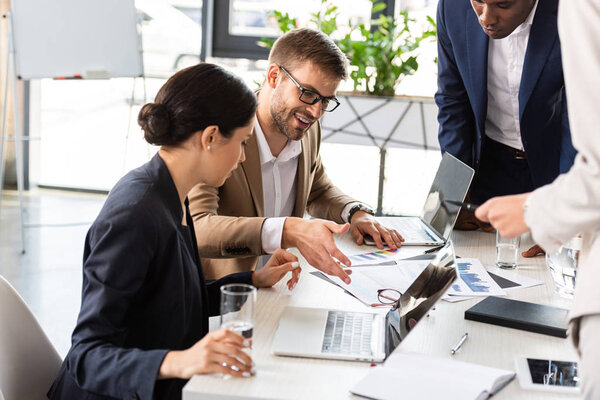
(462, 90)
(143, 293)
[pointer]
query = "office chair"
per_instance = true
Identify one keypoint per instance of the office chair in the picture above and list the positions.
(28, 361)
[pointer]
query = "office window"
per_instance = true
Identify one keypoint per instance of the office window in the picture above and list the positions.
(88, 129)
(239, 24)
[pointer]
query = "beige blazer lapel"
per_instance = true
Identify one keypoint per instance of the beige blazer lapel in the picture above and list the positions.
(251, 168)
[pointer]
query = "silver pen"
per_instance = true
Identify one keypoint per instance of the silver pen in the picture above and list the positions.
(459, 344)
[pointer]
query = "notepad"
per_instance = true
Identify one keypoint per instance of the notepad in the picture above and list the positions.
(522, 315)
(424, 377)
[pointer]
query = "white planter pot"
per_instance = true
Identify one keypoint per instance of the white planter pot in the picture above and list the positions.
(400, 121)
(383, 122)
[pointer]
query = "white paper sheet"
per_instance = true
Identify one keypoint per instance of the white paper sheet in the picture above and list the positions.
(521, 281)
(376, 256)
(474, 281)
(424, 377)
(366, 281)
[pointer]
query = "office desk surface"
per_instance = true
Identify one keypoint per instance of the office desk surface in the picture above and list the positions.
(303, 378)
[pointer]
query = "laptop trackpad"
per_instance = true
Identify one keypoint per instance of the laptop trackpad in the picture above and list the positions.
(300, 331)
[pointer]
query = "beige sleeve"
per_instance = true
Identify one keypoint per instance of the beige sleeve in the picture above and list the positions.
(221, 235)
(571, 204)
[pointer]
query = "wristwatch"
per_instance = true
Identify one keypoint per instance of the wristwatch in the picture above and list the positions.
(359, 207)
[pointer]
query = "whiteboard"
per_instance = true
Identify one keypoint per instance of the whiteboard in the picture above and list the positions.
(60, 38)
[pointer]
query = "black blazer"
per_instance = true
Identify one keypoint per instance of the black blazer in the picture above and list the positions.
(143, 293)
(462, 90)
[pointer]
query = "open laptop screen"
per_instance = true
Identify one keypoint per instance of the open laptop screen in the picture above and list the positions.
(420, 297)
(451, 182)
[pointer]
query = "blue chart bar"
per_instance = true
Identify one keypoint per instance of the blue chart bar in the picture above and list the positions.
(374, 256)
(472, 279)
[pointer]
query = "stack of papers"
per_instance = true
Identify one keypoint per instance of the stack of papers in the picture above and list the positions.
(474, 280)
(422, 377)
(366, 281)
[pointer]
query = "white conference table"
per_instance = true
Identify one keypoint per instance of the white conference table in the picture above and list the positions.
(302, 378)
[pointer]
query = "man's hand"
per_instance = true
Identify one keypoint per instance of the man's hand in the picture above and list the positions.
(280, 263)
(365, 224)
(536, 250)
(505, 213)
(314, 239)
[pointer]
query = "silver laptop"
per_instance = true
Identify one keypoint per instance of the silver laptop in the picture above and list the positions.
(364, 336)
(437, 219)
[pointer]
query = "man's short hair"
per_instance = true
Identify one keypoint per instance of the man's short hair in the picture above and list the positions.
(304, 44)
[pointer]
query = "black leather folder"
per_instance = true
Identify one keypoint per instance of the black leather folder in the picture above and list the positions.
(516, 314)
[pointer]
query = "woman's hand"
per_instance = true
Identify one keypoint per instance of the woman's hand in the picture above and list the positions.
(278, 265)
(505, 213)
(208, 356)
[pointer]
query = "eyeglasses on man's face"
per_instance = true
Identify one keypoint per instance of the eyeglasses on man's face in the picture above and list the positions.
(310, 97)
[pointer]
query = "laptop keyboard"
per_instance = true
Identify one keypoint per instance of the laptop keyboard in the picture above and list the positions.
(413, 231)
(348, 333)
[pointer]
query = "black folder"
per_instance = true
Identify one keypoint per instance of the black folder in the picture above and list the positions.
(522, 315)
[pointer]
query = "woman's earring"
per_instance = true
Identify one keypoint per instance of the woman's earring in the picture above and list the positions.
(208, 148)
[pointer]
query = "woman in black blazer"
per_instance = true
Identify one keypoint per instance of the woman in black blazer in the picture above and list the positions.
(143, 325)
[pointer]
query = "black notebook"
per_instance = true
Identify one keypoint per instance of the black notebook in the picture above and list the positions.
(516, 314)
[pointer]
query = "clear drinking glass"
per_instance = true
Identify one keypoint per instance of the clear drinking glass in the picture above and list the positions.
(507, 251)
(563, 266)
(238, 304)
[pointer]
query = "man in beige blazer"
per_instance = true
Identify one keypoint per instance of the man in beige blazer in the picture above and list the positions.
(260, 207)
(571, 204)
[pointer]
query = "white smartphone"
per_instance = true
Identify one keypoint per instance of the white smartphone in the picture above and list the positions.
(548, 375)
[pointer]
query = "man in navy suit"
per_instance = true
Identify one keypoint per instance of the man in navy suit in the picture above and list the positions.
(501, 99)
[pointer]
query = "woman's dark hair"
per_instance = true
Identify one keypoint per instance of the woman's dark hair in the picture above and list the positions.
(194, 98)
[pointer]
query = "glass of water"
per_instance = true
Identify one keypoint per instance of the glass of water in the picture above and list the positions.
(563, 266)
(507, 251)
(238, 304)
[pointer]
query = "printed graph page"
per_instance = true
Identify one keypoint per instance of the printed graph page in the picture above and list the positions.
(366, 281)
(474, 280)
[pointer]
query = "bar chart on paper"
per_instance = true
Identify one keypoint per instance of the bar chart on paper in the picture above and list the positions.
(474, 281)
(374, 257)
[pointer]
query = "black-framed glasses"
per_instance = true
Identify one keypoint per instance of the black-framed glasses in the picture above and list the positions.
(310, 97)
(388, 297)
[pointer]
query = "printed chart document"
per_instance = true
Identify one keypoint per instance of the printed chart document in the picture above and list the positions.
(507, 280)
(366, 281)
(377, 256)
(424, 377)
(474, 282)
(371, 255)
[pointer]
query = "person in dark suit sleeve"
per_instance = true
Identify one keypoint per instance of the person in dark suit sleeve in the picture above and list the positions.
(143, 325)
(501, 98)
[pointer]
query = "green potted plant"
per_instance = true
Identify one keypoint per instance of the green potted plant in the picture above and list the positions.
(380, 55)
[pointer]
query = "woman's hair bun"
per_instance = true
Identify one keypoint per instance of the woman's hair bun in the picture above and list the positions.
(155, 120)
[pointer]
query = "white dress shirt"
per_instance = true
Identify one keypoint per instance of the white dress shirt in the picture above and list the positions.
(279, 190)
(505, 67)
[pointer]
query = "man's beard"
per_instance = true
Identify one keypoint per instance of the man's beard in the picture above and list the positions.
(282, 118)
